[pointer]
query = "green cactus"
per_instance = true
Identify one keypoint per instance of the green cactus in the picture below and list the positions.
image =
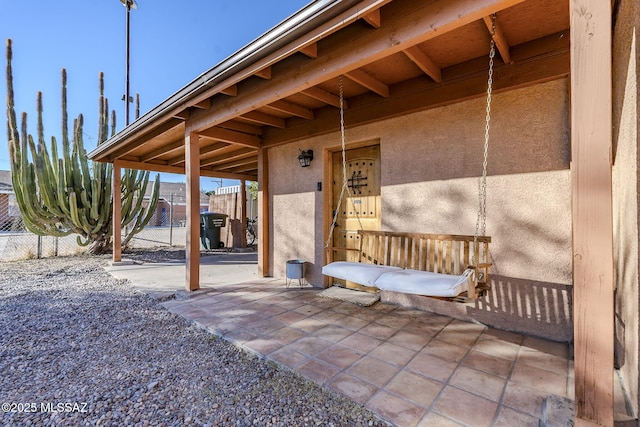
(70, 195)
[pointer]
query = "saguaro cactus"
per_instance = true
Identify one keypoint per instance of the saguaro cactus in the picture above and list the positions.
(71, 195)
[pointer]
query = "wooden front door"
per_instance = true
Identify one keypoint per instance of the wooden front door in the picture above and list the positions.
(360, 205)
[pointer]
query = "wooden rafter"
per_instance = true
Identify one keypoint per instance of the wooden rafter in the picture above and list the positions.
(164, 127)
(424, 62)
(291, 108)
(166, 149)
(501, 41)
(369, 82)
(204, 104)
(373, 18)
(323, 96)
(203, 151)
(231, 136)
(228, 154)
(310, 50)
(265, 73)
(242, 127)
(425, 22)
(230, 90)
(264, 119)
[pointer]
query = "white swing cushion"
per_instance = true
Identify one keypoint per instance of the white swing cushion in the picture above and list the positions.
(363, 274)
(424, 283)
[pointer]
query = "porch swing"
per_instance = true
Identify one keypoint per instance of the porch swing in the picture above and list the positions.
(444, 266)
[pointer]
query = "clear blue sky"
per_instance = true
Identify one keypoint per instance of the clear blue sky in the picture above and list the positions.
(172, 42)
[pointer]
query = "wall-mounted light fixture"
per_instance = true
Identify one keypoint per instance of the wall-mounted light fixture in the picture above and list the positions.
(305, 158)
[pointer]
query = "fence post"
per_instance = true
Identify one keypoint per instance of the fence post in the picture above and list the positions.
(55, 246)
(39, 248)
(171, 220)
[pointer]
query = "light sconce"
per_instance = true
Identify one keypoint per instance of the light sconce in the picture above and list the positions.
(305, 158)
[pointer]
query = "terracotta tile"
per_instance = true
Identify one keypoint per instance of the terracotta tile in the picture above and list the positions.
(262, 346)
(340, 356)
(510, 418)
(310, 345)
(353, 323)
(498, 334)
(465, 408)
(265, 326)
(398, 411)
(379, 331)
(550, 347)
(420, 328)
(462, 339)
(524, 398)
(352, 387)
(271, 310)
(540, 359)
(409, 340)
(288, 357)
(346, 308)
(333, 333)
(286, 335)
(445, 351)
(331, 317)
(325, 302)
(373, 370)
(393, 320)
(241, 335)
(317, 371)
(465, 327)
(432, 367)
(477, 382)
(497, 348)
(308, 325)
(361, 342)
(289, 317)
(547, 381)
(486, 363)
(433, 419)
(393, 354)
(308, 309)
(415, 388)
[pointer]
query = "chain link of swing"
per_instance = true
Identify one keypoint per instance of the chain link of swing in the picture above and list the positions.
(481, 220)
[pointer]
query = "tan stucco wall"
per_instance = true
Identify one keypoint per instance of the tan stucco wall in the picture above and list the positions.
(626, 122)
(430, 164)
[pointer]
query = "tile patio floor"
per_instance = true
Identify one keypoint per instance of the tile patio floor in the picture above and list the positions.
(410, 367)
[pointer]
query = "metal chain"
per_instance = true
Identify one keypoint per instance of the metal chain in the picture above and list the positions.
(481, 220)
(344, 167)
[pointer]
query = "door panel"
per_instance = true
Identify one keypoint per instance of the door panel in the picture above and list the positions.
(360, 206)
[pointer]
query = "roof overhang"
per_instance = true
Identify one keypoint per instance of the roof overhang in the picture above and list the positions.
(394, 57)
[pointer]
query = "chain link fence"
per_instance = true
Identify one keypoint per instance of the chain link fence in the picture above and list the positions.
(167, 227)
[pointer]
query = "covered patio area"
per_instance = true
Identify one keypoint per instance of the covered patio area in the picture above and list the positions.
(410, 367)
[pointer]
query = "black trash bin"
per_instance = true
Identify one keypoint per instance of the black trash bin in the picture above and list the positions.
(210, 225)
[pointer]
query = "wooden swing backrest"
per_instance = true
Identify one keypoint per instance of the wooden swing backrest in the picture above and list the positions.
(437, 253)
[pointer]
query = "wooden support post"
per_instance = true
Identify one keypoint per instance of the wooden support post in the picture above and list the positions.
(116, 225)
(591, 130)
(192, 171)
(263, 212)
(243, 213)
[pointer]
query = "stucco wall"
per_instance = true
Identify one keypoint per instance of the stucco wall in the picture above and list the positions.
(625, 192)
(430, 164)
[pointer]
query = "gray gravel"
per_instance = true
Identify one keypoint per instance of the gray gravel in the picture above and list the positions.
(81, 348)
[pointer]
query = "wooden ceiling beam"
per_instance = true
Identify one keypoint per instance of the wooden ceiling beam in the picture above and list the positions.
(419, 22)
(162, 167)
(310, 50)
(500, 40)
(164, 127)
(242, 127)
(182, 115)
(369, 82)
(291, 108)
(232, 163)
(323, 96)
(415, 54)
(373, 19)
(232, 153)
(264, 119)
(231, 136)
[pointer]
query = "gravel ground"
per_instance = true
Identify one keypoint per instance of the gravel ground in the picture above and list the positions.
(81, 348)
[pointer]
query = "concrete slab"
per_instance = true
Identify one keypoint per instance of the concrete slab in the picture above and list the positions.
(165, 278)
